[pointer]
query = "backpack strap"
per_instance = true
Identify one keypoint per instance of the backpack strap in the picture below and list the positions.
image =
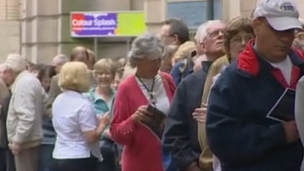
(301, 66)
(183, 68)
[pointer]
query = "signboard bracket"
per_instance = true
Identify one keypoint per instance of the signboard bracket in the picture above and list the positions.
(96, 46)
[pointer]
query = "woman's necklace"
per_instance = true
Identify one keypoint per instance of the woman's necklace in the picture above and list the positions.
(150, 91)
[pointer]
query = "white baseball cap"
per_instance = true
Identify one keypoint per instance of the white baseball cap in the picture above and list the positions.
(280, 14)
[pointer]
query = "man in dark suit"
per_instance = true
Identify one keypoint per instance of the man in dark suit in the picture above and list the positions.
(6, 157)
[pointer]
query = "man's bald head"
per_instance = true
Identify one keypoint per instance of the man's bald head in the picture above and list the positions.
(58, 61)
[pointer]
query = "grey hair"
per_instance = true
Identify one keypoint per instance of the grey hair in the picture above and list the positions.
(15, 62)
(298, 42)
(202, 31)
(147, 45)
(62, 59)
(302, 22)
(4, 67)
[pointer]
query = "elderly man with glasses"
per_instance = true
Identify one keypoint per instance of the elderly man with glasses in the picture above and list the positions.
(180, 135)
(250, 116)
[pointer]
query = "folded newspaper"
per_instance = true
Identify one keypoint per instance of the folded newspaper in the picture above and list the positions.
(156, 123)
(283, 110)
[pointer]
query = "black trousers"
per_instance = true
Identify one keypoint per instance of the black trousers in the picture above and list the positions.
(2, 160)
(85, 164)
(7, 161)
(109, 155)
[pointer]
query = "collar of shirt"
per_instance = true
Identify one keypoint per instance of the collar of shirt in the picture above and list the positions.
(12, 87)
(95, 98)
(99, 104)
(206, 65)
(72, 93)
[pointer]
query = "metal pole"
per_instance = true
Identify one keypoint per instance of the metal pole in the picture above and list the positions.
(128, 44)
(210, 9)
(96, 47)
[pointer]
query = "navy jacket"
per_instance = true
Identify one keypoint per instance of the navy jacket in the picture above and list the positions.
(238, 131)
(180, 135)
(4, 110)
(179, 75)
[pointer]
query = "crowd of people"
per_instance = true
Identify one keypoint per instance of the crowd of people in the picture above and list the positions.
(230, 100)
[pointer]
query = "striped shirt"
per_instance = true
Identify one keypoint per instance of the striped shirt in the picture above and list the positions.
(49, 134)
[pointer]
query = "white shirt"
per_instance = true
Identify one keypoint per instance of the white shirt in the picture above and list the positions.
(285, 67)
(216, 162)
(161, 99)
(72, 115)
(299, 110)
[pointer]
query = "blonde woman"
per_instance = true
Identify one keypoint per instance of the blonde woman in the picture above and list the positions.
(101, 97)
(75, 122)
(166, 65)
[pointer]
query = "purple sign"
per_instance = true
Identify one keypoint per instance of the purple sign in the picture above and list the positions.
(93, 24)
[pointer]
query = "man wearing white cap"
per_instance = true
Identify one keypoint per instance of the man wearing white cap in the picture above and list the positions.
(250, 120)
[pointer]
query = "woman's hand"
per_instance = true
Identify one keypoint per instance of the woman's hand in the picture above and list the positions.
(142, 115)
(108, 134)
(104, 119)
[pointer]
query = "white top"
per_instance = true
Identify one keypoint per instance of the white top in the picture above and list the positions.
(285, 67)
(299, 110)
(72, 115)
(216, 162)
(161, 99)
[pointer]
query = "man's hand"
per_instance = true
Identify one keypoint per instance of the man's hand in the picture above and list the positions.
(199, 114)
(15, 148)
(193, 167)
(291, 131)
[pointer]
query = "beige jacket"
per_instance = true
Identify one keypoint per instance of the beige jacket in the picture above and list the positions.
(24, 119)
(206, 159)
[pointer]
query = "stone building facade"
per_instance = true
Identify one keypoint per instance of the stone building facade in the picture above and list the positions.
(40, 29)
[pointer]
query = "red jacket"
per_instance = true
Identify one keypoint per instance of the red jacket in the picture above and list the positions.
(142, 150)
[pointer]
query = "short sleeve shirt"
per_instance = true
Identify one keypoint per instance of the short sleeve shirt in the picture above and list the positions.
(72, 115)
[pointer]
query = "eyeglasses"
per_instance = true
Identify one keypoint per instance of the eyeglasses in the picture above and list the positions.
(162, 36)
(241, 39)
(215, 33)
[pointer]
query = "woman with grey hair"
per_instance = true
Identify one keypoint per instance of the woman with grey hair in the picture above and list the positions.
(141, 105)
